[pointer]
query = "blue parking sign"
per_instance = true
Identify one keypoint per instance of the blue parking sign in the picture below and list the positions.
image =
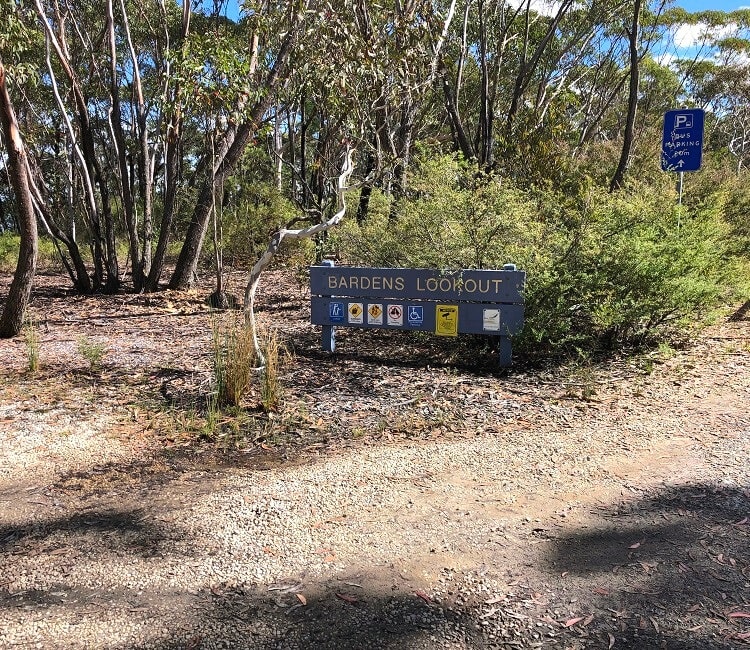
(682, 141)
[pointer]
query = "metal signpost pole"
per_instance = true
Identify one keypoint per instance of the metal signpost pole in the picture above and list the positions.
(329, 331)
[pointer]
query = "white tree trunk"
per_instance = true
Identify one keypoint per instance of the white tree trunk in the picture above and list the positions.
(284, 233)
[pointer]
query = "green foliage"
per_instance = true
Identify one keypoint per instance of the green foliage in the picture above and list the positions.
(31, 339)
(736, 208)
(233, 360)
(47, 255)
(256, 212)
(9, 243)
(458, 218)
(602, 269)
(17, 39)
(621, 267)
(92, 351)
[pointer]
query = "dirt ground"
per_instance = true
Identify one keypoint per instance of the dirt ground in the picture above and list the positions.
(615, 513)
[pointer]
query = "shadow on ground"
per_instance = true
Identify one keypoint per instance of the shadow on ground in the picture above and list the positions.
(668, 570)
(123, 530)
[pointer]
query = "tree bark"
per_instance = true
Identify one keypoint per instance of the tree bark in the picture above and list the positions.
(185, 270)
(627, 142)
(172, 158)
(14, 311)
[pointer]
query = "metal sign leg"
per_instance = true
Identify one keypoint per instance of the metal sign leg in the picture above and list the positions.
(505, 350)
(328, 340)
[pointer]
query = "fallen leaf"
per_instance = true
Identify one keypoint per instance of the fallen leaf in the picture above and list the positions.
(302, 599)
(423, 596)
(694, 608)
(600, 591)
(739, 615)
(636, 545)
(60, 551)
(347, 598)
(654, 623)
(492, 601)
(572, 621)
(611, 641)
(741, 522)
(587, 620)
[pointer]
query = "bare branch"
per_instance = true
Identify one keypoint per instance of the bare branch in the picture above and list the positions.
(302, 233)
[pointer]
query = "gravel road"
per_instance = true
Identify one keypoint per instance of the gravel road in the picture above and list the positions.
(616, 521)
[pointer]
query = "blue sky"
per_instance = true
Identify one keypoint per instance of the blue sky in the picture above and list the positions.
(719, 5)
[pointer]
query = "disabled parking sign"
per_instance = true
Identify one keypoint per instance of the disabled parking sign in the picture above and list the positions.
(415, 315)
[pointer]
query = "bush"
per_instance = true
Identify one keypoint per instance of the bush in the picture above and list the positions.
(622, 267)
(9, 243)
(456, 218)
(602, 269)
(48, 258)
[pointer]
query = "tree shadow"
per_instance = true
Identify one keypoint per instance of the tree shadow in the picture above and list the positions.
(471, 354)
(253, 617)
(125, 530)
(741, 313)
(666, 570)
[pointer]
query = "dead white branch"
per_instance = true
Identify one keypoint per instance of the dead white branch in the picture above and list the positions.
(287, 234)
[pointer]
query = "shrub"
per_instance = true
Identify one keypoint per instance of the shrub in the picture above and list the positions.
(457, 218)
(622, 266)
(9, 243)
(48, 259)
(602, 269)
(92, 351)
(233, 359)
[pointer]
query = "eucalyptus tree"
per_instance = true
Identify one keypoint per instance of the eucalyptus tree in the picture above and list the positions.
(721, 83)
(106, 83)
(272, 33)
(14, 40)
(512, 75)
